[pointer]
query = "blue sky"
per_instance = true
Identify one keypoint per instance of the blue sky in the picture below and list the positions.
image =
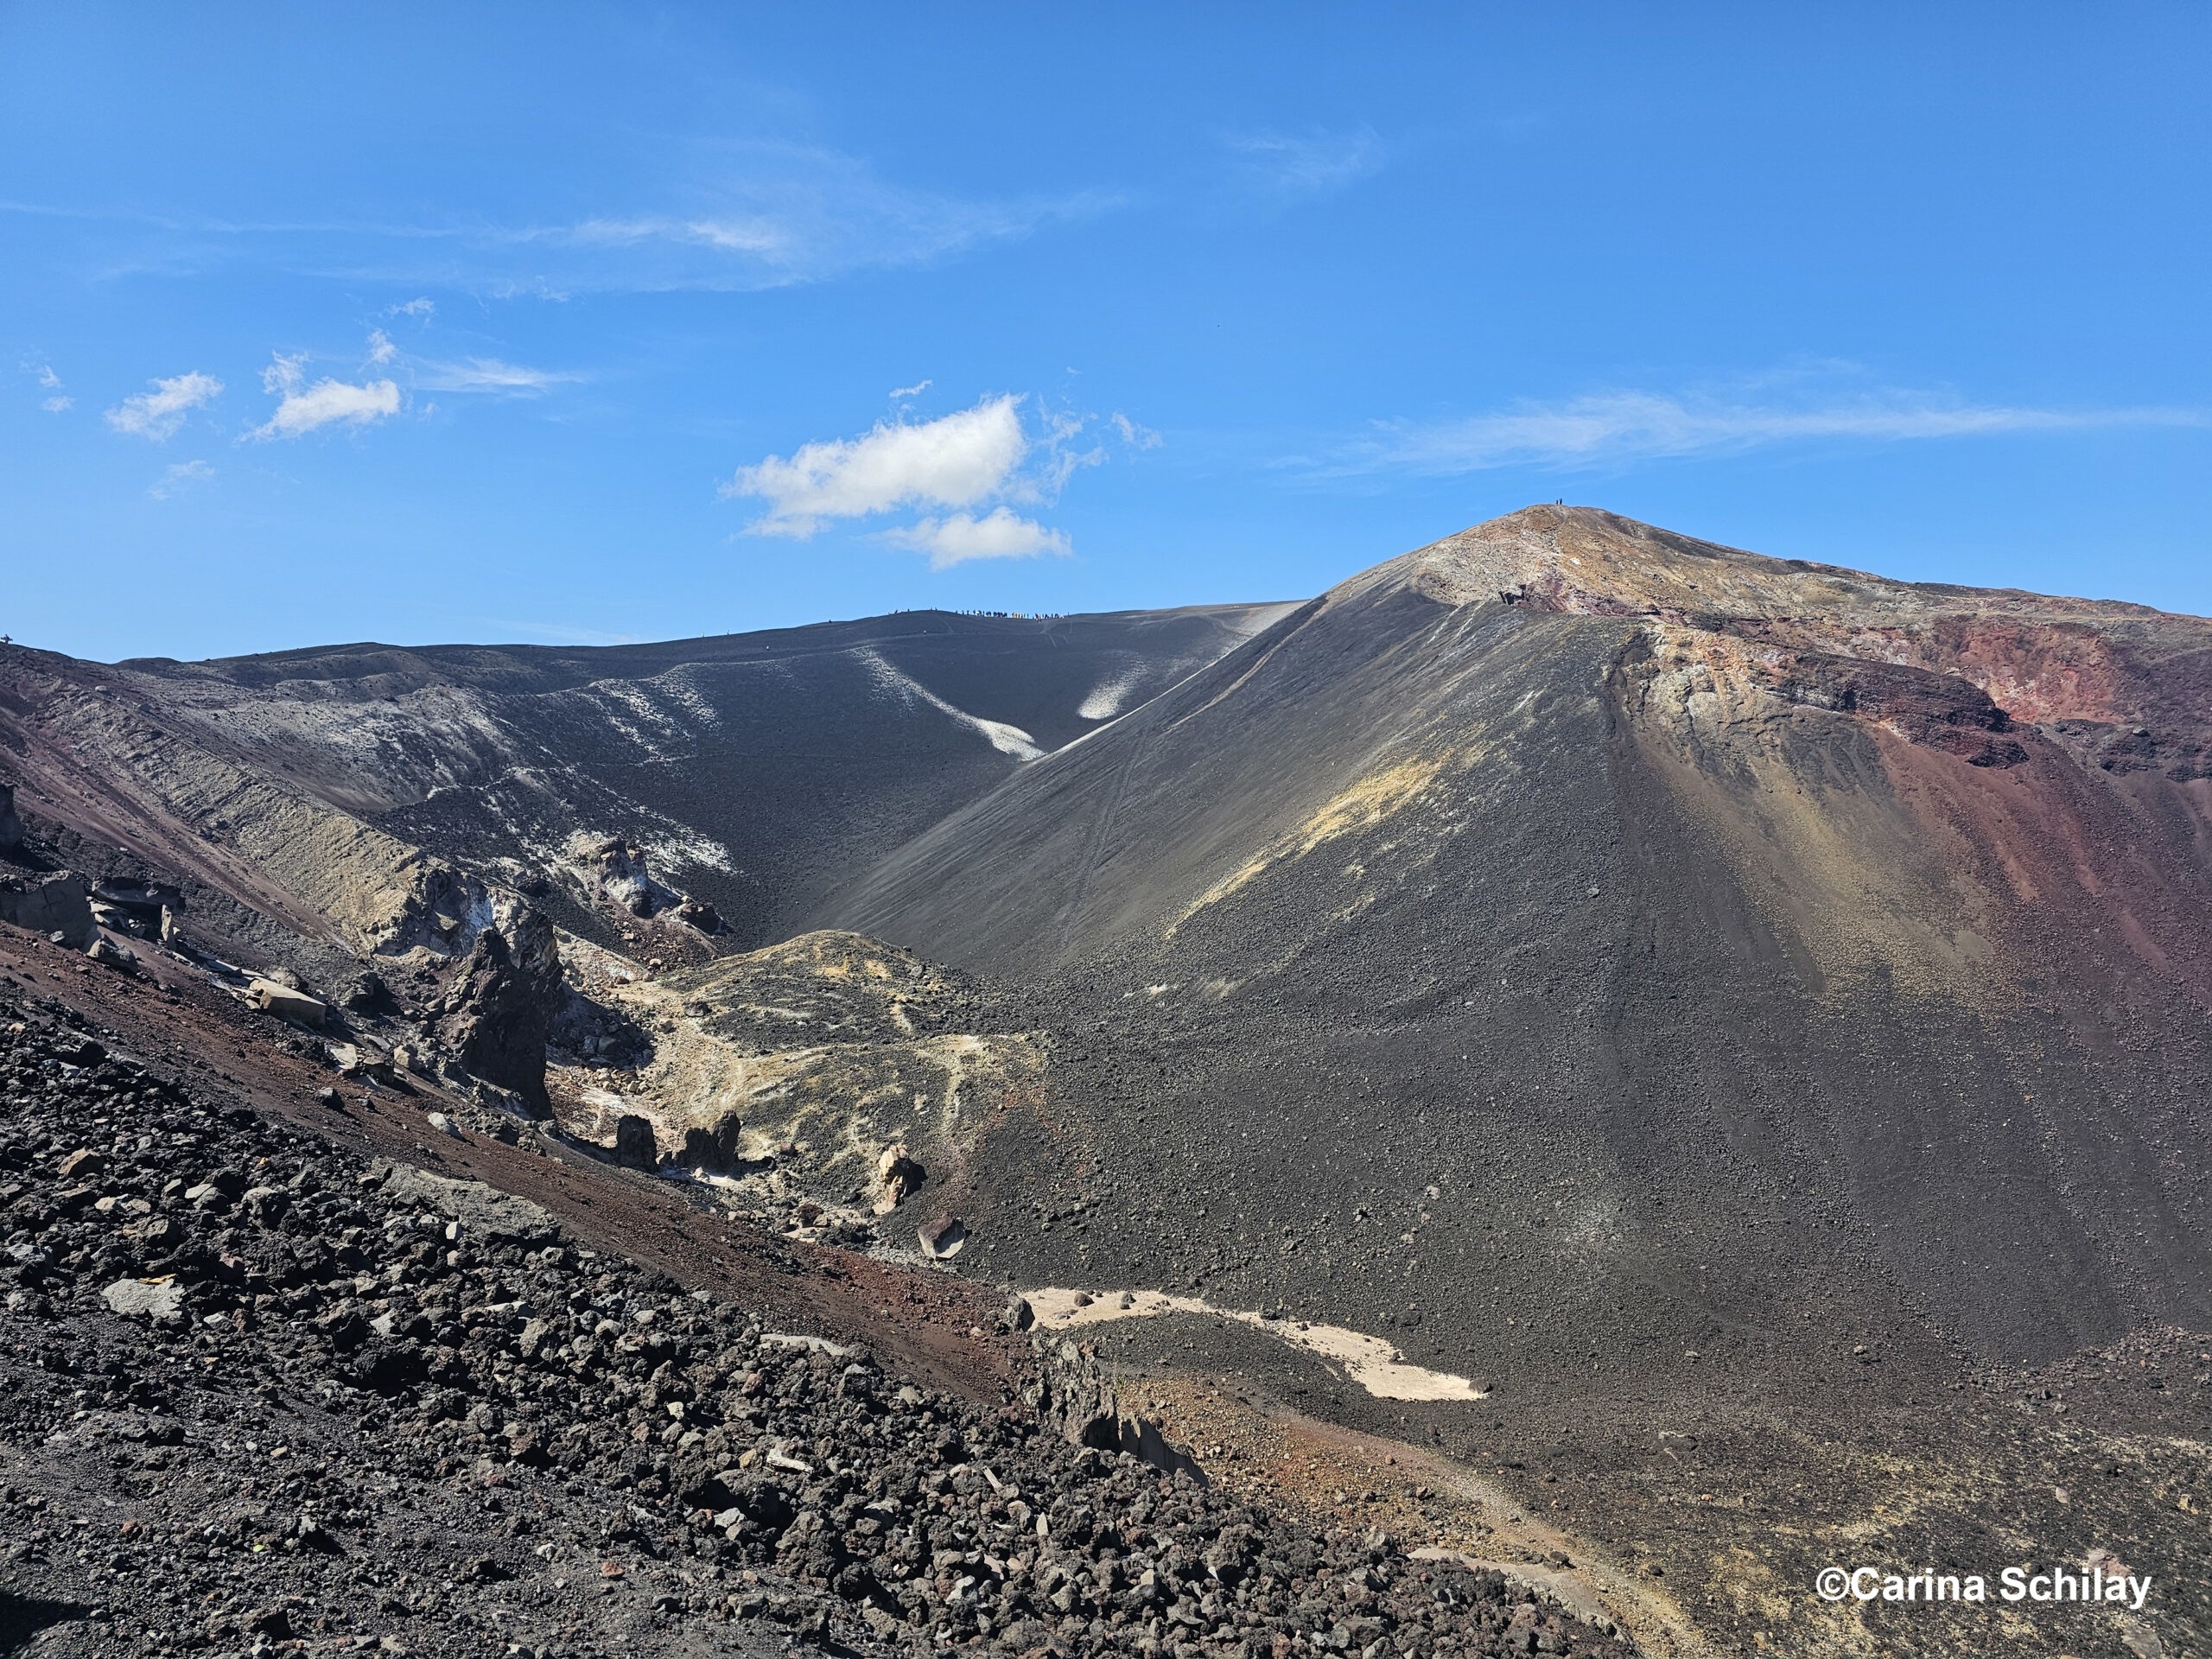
(567, 324)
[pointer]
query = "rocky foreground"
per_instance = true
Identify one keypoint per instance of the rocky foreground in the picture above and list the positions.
(259, 1393)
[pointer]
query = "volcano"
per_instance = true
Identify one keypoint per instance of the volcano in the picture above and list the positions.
(1704, 1051)
(1739, 938)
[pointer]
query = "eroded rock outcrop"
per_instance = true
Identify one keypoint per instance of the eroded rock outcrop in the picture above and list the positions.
(718, 1149)
(1073, 1392)
(49, 903)
(500, 1010)
(897, 1178)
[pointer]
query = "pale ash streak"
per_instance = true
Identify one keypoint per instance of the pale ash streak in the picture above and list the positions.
(1007, 740)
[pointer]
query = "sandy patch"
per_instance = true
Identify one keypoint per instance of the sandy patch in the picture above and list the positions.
(1365, 805)
(1368, 1360)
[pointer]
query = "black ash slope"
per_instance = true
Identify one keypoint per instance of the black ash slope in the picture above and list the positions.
(1410, 933)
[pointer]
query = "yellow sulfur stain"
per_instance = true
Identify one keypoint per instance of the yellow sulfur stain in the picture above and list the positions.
(1363, 806)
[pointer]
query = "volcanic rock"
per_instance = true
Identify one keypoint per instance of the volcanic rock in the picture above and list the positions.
(715, 1148)
(501, 1011)
(287, 1002)
(634, 1146)
(897, 1178)
(153, 1299)
(55, 904)
(943, 1238)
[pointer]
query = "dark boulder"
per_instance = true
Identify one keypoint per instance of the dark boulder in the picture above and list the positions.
(368, 994)
(634, 1146)
(717, 1149)
(390, 1367)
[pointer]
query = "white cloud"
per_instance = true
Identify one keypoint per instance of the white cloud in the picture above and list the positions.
(303, 408)
(412, 308)
(914, 390)
(381, 350)
(976, 463)
(157, 414)
(181, 476)
(489, 374)
(960, 536)
(1315, 165)
(1616, 428)
(957, 461)
(1137, 437)
(49, 381)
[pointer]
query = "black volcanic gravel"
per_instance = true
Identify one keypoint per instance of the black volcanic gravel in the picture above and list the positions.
(388, 1412)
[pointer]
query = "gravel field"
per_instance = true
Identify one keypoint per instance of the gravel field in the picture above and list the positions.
(263, 1395)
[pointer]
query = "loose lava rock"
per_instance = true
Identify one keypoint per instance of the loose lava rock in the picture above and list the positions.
(258, 1394)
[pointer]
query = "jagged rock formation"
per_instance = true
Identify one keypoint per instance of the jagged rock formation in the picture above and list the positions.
(501, 1008)
(1072, 1391)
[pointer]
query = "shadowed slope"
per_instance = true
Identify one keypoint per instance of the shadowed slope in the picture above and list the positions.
(752, 770)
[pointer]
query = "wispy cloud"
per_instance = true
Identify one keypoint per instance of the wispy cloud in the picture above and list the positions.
(49, 381)
(1136, 436)
(302, 409)
(960, 536)
(489, 374)
(179, 477)
(771, 214)
(914, 390)
(715, 215)
(1312, 164)
(157, 414)
(729, 215)
(1617, 429)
